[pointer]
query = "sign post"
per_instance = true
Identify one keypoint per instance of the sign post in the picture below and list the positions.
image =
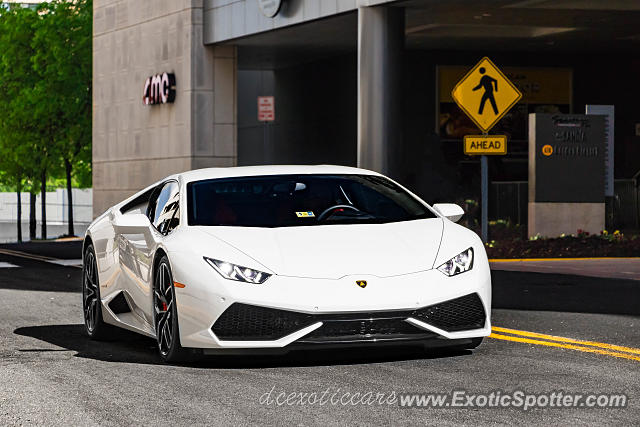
(485, 95)
(266, 114)
(484, 190)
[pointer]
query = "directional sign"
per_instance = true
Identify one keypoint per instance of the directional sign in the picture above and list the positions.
(485, 145)
(266, 109)
(485, 94)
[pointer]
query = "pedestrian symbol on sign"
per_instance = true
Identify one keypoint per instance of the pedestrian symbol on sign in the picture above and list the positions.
(485, 94)
(488, 83)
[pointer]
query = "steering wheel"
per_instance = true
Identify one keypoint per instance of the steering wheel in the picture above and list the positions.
(327, 211)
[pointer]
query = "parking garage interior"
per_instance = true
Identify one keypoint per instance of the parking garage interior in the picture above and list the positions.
(561, 55)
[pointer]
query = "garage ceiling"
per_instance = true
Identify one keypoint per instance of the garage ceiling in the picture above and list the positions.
(594, 26)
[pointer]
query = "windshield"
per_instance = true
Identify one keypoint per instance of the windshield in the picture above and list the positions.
(300, 200)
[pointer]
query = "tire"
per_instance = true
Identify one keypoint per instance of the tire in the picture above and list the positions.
(165, 315)
(94, 325)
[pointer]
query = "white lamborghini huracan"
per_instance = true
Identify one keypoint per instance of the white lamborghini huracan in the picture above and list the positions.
(275, 258)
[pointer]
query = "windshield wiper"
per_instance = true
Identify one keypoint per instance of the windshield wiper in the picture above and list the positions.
(348, 214)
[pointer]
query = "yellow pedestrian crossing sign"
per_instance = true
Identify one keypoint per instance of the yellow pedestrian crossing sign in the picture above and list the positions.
(485, 94)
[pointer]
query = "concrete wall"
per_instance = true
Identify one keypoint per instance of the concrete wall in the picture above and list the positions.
(554, 219)
(315, 114)
(57, 218)
(135, 145)
(57, 204)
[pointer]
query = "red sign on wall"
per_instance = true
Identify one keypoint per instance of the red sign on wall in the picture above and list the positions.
(159, 89)
(266, 109)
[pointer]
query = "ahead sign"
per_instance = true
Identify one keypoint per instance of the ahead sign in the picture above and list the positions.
(485, 145)
(266, 109)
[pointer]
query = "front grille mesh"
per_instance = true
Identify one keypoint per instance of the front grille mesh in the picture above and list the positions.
(365, 327)
(242, 322)
(249, 322)
(458, 314)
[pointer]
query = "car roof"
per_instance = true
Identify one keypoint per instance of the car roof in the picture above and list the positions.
(231, 172)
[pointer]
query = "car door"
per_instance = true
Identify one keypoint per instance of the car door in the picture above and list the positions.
(136, 250)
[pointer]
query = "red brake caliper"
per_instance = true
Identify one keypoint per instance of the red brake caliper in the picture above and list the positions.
(164, 306)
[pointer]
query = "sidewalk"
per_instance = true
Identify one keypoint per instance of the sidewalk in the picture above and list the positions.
(613, 268)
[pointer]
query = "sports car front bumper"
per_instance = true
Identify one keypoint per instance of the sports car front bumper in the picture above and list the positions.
(242, 322)
(286, 312)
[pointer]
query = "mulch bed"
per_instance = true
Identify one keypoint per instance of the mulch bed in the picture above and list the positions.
(565, 247)
(510, 241)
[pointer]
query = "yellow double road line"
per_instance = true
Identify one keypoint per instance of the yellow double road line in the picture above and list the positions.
(25, 255)
(613, 350)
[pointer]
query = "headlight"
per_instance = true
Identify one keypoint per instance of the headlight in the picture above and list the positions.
(237, 272)
(458, 264)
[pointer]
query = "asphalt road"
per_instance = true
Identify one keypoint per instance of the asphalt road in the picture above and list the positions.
(51, 374)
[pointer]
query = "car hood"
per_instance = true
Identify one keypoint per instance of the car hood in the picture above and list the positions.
(335, 251)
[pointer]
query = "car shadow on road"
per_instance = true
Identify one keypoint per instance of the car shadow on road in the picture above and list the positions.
(126, 347)
(565, 293)
(49, 248)
(133, 348)
(41, 277)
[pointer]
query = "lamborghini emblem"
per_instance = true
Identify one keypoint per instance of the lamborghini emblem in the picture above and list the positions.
(361, 283)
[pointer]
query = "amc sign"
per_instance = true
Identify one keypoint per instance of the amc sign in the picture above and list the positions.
(159, 89)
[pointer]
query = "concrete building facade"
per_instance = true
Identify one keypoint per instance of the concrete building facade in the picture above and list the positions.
(356, 82)
(136, 144)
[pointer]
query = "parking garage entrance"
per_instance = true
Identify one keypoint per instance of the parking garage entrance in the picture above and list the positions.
(561, 57)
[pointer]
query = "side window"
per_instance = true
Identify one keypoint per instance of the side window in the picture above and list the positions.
(165, 213)
(138, 205)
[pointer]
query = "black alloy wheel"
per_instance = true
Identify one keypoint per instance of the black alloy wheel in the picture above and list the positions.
(94, 325)
(166, 314)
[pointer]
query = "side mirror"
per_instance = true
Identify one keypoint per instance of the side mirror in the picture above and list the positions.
(450, 211)
(131, 223)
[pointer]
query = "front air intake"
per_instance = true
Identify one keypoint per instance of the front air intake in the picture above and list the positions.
(459, 314)
(242, 322)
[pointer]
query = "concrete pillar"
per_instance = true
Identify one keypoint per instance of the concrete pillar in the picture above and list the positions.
(380, 58)
(214, 112)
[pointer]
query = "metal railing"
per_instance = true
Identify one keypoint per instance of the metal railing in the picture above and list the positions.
(508, 200)
(625, 212)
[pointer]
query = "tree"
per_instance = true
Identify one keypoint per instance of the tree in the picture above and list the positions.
(16, 77)
(45, 97)
(62, 46)
(12, 173)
